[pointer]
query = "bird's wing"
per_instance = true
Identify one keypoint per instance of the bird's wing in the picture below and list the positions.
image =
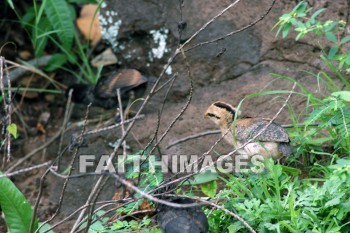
(247, 128)
(124, 80)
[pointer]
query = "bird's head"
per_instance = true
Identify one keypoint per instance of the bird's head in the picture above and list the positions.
(221, 113)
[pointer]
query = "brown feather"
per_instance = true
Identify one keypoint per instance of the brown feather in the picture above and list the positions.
(124, 80)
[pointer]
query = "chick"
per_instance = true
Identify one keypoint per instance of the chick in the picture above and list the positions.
(271, 143)
(132, 85)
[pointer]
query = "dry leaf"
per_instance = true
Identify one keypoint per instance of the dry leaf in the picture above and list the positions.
(88, 23)
(25, 54)
(105, 58)
(40, 128)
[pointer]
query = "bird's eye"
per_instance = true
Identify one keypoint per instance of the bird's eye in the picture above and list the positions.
(213, 115)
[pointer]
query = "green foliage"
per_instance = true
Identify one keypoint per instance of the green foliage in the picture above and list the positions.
(61, 18)
(12, 130)
(132, 226)
(277, 201)
(327, 125)
(17, 210)
(330, 113)
(333, 115)
(149, 177)
(51, 22)
(302, 23)
(100, 222)
(210, 188)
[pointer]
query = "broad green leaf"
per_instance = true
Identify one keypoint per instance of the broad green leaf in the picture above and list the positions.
(17, 210)
(204, 177)
(285, 17)
(300, 8)
(331, 37)
(209, 188)
(59, 14)
(45, 228)
(286, 30)
(344, 95)
(332, 202)
(314, 15)
(332, 52)
(344, 40)
(12, 128)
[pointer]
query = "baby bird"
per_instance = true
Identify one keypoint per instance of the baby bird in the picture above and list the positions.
(132, 85)
(271, 143)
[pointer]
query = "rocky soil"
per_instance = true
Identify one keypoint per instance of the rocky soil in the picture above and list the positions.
(228, 70)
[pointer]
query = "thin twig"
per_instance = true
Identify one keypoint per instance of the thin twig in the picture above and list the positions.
(67, 114)
(234, 32)
(121, 114)
(69, 173)
(26, 169)
(37, 201)
(198, 135)
(117, 125)
(207, 24)
(186, 105)
(33, 152)
(22, 69)
(150, 197)
(53, 226)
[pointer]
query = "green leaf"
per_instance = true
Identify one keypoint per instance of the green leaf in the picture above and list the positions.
(332, 202)
(11, 4)
(17, 210)
(331, 37)
(204, 177)
(300, 35)
(314, 15)
(344, 95)
(41, 40)
(317, 113)
(59, 14)
(329, 25)
(347, 59)
(209, 188)
(344, 40)
(12, 128)
(45, 228)
(319, 141)
(56, 62)
(300, 8)
(286, 29)
(332, 52)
